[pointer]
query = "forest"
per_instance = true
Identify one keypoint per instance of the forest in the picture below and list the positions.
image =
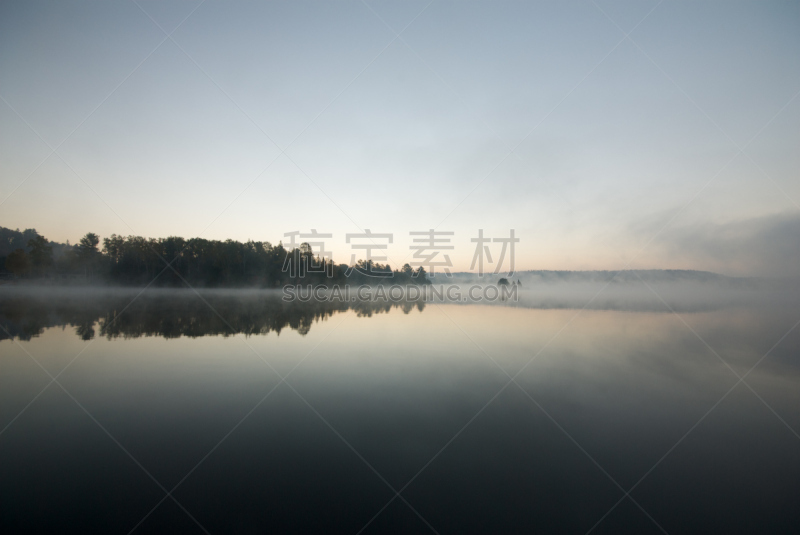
(175, 262)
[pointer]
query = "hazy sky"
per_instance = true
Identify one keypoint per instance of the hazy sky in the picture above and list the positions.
(538, 116)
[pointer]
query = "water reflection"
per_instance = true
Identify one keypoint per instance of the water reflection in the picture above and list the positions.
(169, 313)
(25, 312)
(418, 396)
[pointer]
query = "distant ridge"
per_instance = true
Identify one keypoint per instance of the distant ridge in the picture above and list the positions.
(620, 276)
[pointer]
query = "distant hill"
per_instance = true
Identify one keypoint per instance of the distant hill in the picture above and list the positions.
(538, 277)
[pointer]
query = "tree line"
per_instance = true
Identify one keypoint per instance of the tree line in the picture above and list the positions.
(175, 261)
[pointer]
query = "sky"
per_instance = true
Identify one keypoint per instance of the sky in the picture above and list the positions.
(607, 135)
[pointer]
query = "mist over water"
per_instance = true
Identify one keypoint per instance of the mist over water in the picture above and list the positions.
(108, 311)
(413, 396)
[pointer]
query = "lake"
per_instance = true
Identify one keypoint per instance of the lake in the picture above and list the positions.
(234, 412)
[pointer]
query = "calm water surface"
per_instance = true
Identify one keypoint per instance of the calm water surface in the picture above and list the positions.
(240, 414)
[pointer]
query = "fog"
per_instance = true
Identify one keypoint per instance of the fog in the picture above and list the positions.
(767, 246)
(111, 312)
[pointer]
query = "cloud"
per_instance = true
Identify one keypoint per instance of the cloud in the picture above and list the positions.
(764, 246)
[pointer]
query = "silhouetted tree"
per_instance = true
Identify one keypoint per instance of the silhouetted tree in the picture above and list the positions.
(87, 247)
(14, 239)
(174, 261)
(87, 256)
(41, 254)
(18, 263)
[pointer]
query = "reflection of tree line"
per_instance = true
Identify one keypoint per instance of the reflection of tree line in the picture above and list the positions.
(172, 316)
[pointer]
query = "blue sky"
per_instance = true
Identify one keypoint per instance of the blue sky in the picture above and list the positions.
(673, 147)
